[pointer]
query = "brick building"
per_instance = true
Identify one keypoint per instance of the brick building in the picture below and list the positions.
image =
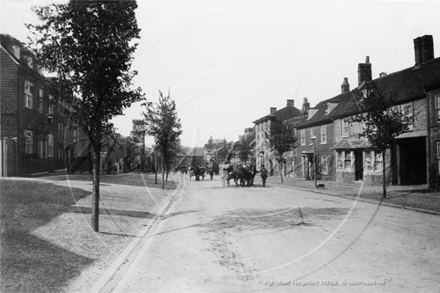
(262, 127)
(35, 132)
(342, 155)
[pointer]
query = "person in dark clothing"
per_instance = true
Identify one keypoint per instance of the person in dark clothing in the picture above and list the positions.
(264, 174)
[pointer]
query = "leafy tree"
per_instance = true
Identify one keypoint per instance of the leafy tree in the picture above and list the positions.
(175, 151)
(223, 153)
(164, 125)
(382, 120)
(280, 139)
(244, 147)
(89, 44)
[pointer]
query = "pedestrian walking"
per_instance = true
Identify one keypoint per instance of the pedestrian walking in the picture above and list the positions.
(264, 174)
(254, 171)
(223, 172)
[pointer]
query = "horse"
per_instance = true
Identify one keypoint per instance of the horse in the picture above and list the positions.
(239, 174)
(197, 172)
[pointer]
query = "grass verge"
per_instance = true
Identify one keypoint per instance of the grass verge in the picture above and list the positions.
(46, 239)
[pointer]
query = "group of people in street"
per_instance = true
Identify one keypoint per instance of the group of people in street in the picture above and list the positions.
(224, 173)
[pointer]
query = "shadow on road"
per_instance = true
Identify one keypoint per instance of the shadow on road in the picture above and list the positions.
(275, 219)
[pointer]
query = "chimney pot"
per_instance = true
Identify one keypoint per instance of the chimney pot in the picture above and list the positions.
(423, 49)
(290, 102)
(364, 71)
(305, 107)
(345, 87)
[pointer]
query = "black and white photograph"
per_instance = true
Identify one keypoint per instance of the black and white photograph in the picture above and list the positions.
(219, 146)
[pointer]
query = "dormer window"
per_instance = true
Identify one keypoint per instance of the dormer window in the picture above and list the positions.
(311, 113)
(30, 62)
(16, 51)
(330, 107)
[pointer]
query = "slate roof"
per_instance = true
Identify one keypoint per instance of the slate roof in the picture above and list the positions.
(283, 114)
(407, 85)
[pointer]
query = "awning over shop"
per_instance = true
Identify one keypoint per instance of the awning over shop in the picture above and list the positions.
(347, 143)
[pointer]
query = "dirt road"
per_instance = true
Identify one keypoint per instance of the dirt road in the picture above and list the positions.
(216, 239)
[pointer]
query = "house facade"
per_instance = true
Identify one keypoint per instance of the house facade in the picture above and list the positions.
(36, 135)
(263, 155)
(433, 133)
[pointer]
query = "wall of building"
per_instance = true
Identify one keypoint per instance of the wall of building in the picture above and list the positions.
(8, 94)
(434, 139)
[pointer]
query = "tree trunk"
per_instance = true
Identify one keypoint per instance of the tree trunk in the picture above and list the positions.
(155, 168)
(96, 177)
(280, 167)
(163, 174)
(384, 175)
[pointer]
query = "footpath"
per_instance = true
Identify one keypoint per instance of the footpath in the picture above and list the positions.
(414, 197)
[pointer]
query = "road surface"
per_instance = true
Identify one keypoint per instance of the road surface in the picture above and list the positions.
(277, 239)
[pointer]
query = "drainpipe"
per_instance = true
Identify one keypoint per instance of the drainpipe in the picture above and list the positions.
(428, 136)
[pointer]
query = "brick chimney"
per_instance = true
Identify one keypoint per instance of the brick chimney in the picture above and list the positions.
(424, 49)
(305, 107)
(290, 102)
(364, 71)
(273, 110)
(345, 87)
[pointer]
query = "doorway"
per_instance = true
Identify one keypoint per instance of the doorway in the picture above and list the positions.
(359, 165)
(413, 169)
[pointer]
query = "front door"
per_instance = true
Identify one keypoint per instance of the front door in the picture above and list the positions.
(359, 165)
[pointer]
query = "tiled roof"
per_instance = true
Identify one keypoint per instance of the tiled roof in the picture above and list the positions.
(283, 114)
(407, 85)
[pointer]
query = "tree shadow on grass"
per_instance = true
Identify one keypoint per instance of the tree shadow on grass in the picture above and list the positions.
(31, 264)
(35, 254)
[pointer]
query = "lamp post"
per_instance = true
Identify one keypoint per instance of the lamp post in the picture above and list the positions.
(313, 139)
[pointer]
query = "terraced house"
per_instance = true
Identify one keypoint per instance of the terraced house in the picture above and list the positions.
(341, 155)
(35, 130)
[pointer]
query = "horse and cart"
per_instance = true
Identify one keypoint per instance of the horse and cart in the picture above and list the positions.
(242, 175)
(197, 172)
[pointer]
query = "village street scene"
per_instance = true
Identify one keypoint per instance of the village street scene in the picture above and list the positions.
(219, 147)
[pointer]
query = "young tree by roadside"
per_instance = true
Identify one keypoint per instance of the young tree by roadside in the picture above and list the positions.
(175, 151)
(382, 121)
(280, 139)
(89, 44)
(164, 125)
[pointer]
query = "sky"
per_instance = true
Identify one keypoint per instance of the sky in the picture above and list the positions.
(226, 63)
